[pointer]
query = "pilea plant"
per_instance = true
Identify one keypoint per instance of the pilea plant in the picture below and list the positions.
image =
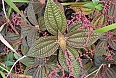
(60, 40)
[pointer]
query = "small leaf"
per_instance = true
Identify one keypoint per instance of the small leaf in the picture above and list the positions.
(16, 56)
(89, 5)
(80, 39)
(32, 36)
(99, 6)
(76, 66)
(95, 1)
(9, 63)
(54, 18)
(43, 47)
(62, 60)
(31, 14)
(10, 56)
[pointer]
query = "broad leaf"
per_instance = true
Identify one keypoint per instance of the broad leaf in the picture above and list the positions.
(62, 60)
(32, 36)
(31, 14)
(54, 18)
(76, 66)
(43, 47)
(80, 38)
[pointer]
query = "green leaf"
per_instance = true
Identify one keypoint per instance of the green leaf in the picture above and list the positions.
(98, 60)
(74, 27)
(16, 56)
(12, 37)
(112, 42)
(95, 1)
(80, 39)
(24, 49)
(99, 6)
(39, 61)
(32, 36)
(25, 30)
(100, 50)
(10, 57)
(39, 73)
(62, 60)
(110, 73)
(2, 74)
(41, 23)
(9, 63)
(31, 14)
(28, 61)
(54, 18)
(76, 66)
(38, 7)
(43, 47)
(106, 28)
(89, 5)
